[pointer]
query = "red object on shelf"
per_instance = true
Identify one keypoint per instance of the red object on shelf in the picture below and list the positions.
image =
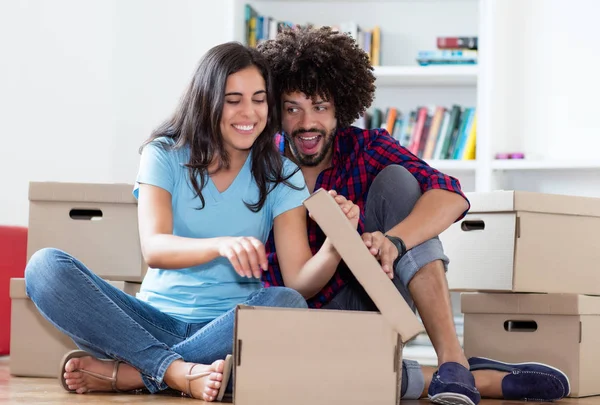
(13, 258)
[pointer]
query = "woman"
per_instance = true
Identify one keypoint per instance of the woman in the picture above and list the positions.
(210, 187)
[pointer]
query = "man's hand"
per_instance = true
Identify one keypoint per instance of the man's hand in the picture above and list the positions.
(382, 249)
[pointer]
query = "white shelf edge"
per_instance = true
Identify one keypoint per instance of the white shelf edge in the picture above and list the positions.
(518, 164)
(436, 75)
(453, 165)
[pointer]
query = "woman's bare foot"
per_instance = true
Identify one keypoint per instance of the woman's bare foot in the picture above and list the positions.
(128, 378)
(205, 387)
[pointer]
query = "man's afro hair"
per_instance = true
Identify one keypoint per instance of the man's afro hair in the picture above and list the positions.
(322, 63)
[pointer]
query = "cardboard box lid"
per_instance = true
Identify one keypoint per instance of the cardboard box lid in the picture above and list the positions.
(363, 265)
(507, 201)
(82, 192)
(529, 304)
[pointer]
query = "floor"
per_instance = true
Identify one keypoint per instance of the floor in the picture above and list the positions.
(47, 391)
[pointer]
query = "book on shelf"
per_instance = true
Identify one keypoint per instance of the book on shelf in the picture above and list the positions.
(457, 43)
(451, 51)
(429, 132)
(261, 28)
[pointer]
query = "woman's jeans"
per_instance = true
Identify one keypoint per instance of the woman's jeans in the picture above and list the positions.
(110, 324)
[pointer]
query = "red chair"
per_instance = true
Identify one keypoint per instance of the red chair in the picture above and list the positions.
(13, 258)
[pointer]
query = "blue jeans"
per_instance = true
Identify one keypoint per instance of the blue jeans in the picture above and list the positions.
(109, 323)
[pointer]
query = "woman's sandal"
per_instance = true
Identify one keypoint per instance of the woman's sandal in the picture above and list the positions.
(81, 353)
(226, 373)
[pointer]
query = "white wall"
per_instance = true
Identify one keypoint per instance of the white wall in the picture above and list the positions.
(546, 87)
(83, 82)
(546, 83)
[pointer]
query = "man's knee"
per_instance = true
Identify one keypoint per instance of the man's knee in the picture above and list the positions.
(397, 180)
(392, 196)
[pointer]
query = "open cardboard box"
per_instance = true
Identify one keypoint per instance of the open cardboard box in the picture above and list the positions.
(316, 356)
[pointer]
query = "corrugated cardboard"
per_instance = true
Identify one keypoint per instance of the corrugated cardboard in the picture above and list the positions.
(518, 241)
(321, 356)
(560, 330)
(96, 223)
(36, 346)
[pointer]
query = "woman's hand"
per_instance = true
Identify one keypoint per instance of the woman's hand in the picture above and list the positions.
(246, 254)
(351, 210)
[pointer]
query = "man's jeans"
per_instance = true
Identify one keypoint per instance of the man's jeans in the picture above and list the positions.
(392, 196)
(111, 324)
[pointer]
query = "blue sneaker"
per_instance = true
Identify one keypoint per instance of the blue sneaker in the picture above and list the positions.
(453, 384)
(527, 381)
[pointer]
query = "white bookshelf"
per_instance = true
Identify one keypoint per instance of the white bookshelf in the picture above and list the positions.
(426, 75)
(531, 165)
(466, 166)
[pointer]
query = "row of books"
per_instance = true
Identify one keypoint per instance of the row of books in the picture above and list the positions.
(430, 133)
(451, 51)
(261, 27)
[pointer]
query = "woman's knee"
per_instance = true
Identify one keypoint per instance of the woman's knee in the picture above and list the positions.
(43, 268)
(287, 297)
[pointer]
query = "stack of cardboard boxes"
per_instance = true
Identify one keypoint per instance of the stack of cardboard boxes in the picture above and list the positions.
(97, 224)
(527, 264)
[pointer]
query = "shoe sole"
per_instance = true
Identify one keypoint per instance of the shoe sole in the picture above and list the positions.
(448, 398)
(63, 362)
(226, 374)
(531, 363)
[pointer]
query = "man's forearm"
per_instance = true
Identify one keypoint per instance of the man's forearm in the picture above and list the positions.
(433, 213)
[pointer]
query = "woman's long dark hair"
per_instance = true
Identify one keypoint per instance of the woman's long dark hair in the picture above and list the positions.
(196, 121)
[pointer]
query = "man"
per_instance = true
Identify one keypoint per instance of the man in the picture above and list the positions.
(325, 82)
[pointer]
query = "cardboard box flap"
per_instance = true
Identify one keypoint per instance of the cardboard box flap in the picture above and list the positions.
(82, 192)
(363, 265)
(530, 304)
(17, 288)
(503, 201)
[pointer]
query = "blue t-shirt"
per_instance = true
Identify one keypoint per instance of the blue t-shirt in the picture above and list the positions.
(202, 293)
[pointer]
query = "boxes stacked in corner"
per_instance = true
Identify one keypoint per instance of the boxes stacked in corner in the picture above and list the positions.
(95, 223)
(526, 263)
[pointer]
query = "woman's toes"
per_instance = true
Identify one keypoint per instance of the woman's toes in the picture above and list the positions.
(72, 365)
(219, 366)
(73, 376)
(210, 394)
(214, 384)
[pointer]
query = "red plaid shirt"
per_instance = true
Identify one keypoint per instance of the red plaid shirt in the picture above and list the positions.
(358, 156)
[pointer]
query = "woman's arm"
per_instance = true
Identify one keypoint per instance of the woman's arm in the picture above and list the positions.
(162, 249)
(300, 270)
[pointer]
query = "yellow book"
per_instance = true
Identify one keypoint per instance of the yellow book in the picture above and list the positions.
(469, 153)
(376, 48)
